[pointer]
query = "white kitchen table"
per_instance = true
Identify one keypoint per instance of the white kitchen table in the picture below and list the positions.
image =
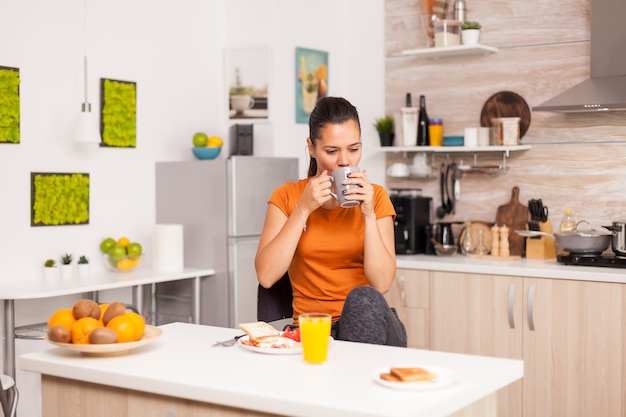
(181, 374)
(95, 282)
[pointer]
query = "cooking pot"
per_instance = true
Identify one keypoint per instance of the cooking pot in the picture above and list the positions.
(589, 241)
(619, 238)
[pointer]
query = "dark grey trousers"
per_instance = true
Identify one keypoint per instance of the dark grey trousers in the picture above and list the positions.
(367, 318)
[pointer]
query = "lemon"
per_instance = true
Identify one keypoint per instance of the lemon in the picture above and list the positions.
(215, 141)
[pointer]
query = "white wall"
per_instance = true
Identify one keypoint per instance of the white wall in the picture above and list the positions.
(174, 51)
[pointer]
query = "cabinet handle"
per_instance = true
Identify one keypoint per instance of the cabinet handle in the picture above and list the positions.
(531, 307)
(511, 300)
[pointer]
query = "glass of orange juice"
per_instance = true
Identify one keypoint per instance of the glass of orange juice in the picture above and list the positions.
(315, 334)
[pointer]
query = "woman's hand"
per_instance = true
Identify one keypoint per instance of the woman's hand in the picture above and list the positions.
(363, 193)
(316, 193)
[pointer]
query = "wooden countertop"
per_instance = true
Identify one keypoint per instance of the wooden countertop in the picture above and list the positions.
(182, 363)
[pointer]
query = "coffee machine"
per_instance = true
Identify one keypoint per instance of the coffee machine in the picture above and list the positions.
(413, 217)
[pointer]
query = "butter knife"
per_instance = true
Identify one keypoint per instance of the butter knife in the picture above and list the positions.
(229, 342)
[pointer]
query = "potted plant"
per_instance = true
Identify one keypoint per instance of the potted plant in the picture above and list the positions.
(66, 265)
(385, 128)
(83, 266)
(470, 32)
(50, 270)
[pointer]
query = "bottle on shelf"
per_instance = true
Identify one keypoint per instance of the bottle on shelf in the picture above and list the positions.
(568, 222)
(423, 136)
(409, 122)
(459, 10)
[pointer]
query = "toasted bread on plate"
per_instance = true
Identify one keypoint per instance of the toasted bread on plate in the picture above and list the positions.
(275, 342)
(258, 329)
(408, 375)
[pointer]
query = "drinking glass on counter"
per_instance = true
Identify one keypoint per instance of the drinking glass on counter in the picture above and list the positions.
(315, 334)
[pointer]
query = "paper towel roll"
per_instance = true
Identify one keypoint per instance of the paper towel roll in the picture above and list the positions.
(168, 253)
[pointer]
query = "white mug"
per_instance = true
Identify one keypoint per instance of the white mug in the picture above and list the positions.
(338, 176)
(241, 103)
(398, 170)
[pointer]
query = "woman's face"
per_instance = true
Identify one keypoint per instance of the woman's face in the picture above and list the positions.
(339, 145)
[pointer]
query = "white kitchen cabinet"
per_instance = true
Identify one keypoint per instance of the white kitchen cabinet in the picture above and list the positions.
(409, 295)
(570, 335)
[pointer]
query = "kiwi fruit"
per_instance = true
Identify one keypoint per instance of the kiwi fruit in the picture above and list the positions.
(102, 335)
(86, 308)
(114, 309)
(58, 333)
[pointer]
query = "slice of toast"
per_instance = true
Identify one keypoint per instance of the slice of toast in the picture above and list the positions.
(412, 374)
(258, 330)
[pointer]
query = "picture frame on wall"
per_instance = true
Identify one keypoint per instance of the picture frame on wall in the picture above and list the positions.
(59, 199)
(311, 81)
(9, 105)
(118, 118)
(247, 75)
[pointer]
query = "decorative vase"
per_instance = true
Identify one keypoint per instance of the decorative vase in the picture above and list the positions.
(386, 138)
(470, 36)
(67, 271)
(83, 270)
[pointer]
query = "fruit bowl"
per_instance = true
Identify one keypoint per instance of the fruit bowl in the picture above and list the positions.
(206, 152)
(121, 263)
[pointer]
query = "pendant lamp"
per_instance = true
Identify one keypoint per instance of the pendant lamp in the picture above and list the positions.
(87, 129)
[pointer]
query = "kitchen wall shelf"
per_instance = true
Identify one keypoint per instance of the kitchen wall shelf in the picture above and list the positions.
(454, 149)
(447, 51)
(475, 168)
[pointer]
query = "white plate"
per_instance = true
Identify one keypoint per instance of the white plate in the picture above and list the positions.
(112, 349)
(270, 351)
(445, 378)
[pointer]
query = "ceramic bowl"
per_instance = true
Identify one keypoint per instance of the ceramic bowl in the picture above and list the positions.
(206, 152)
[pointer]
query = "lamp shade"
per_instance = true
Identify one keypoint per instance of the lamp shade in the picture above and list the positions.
(87, 130)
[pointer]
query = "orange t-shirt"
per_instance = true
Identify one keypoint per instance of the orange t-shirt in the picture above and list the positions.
(328, 262)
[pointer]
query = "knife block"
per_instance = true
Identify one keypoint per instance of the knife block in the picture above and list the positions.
(544, 247)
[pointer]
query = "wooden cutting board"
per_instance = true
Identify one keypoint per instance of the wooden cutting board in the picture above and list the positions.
(515, 216)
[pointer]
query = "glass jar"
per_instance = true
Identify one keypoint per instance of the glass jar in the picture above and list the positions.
(435, 130)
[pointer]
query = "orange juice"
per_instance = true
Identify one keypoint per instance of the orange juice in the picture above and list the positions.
(315, 333)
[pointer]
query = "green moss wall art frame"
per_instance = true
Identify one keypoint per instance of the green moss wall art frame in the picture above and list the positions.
(59, 199)
(118, 121)
(9, 105)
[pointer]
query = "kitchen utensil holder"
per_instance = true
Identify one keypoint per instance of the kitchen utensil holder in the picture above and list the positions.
(544, 247)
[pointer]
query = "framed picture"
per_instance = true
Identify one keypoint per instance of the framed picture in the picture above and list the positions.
(118, 121)
(59, 199)
(9, 105)
(311, 81)
(247, 77)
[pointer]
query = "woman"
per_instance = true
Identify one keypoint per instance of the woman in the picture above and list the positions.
(340, 260)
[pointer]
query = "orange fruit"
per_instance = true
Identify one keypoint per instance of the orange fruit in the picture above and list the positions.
(126, 264)
(124, 241)
(126, 328)
(103, 308)
(139, 321)
(82, 328)
(62, 317)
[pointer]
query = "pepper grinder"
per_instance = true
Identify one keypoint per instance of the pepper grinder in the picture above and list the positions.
(504, 241)
(481, 249)
(495, 240)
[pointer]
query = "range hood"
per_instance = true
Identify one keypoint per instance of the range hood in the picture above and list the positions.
(606, 89)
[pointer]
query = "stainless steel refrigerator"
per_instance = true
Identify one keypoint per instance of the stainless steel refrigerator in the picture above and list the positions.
(221, 204)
